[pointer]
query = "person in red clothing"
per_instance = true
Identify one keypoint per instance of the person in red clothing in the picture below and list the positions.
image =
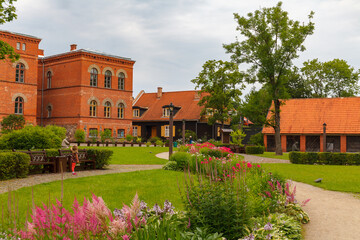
(74, 158)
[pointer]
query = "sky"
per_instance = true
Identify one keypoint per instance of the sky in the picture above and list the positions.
(170, 40)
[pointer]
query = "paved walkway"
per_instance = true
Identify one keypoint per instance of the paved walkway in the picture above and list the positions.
(256, 159)
(44, 178)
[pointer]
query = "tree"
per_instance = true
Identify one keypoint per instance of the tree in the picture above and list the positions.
(7, 14)
(270, 41)
(80, 135)
(296, 85)
(12, 122)
(221, 83)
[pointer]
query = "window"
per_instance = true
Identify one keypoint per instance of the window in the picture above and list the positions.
(23, 46)
(107, 108)
(18, 46)
(121, 81)
(20, 73)
(107, 79)
(167, 131)
(19, 105)
(93, 132)
(136, 113)
(135, 131)
(120, 133)
(93, 77)
(48, 76)
(93, 106)
(49, 109)
(121, 108)
(166, 112)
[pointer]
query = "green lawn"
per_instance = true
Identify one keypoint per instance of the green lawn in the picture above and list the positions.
(136, 155)
(272, 155)
(337, 178)
(152, 186)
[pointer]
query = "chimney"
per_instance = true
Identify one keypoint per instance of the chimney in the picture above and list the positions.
(197, 95)
(159, 92)
(73, 47)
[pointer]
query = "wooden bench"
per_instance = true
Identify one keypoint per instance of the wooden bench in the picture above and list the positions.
(83, 158)
(40, 158)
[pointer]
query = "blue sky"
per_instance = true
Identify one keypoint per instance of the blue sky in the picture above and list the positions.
(170, 40)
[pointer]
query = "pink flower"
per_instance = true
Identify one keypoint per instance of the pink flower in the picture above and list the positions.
(249, 165)
(258, 165)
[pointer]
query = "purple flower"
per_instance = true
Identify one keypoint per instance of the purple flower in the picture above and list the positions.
(168, 207)
(118, 213)
(268, 227)
(157, 209)
(268, 237)
(143, 206)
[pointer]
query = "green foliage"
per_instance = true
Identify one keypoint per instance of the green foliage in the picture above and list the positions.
(138, 140)
(353, 159)
(222, 81)
(105, 135)
(101, 156)
(171, 165)
(324, 158)
(148, 144)
(181, 158)
(159, 143)
(58, 131)
(257, 139)
(12, 122)
(237, 137)
(80, 135)
(295, 157)
(154, 139)
(93, 134)
(14, 165)
(31, 137)
(254, 149)
(184, 148)
(188, 134)
(129, 137)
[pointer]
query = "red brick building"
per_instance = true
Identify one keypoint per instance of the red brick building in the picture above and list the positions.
(81, 88)
(302, 122)
(18, 80)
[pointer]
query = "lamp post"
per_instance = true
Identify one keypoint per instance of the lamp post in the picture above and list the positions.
(324, 137)
(171, 123)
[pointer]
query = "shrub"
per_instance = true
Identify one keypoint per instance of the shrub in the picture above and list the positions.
(188, 134)
(154, 139)
(80, 135)
(338, 159)
(31, 137)
(353, 159)
(324, 158)
(171, 165)
(101, 156)
(58, 131)
(138, 140)
(184, 148)
(159, 143)
(254, 149)
(93, 135)
(148, 144)
(104, 135)
(181, 158)
(237, 137)
(294, 157)
(257, 139)
(311, 158)
(14, 165)
(129, 137)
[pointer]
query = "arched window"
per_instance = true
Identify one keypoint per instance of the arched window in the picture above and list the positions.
(107, 79)
(93, 106)
(121, 110)
(20, 73)
(49, 77)
(19, 105)
(121, 81)
(107, 108)
(93, 77)
(49, 109)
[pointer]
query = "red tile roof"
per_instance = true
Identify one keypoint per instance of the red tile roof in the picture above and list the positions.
(190, 110)
(307, 116)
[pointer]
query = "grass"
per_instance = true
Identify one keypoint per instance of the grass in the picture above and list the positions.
(285, 156)
(336, 178)
(136, 155)
(152, 186)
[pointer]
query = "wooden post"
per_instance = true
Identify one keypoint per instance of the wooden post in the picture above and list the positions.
(171, 131)
(302, 143)
(283, 143)
(324, 137)
(265, 142)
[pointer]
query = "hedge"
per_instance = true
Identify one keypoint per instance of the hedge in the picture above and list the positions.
(254, 149)
(14, 165)
(101, 156)
(181, 158)
(324, 158)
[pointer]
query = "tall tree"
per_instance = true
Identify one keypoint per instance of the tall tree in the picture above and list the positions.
(270, 41)
(222, 83)
(7, 14)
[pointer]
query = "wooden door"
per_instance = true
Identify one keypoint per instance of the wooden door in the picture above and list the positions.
(153, 132)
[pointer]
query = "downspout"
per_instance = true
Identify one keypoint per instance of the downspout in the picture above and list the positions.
(42, 93)
(196, 127)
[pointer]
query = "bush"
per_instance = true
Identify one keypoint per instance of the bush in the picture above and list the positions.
(254, 149)
(12, 122)
(181, 158)
(148, 144)
(324, 158)
(154, 139)
(104, 135)
(129, 137)
(294, 157)
(159, 143)
(170, 165)
(353, 159)
(188, 134)
(101, 156)
(338, 159)
(80, 135)
(14, 165)
(58, 131)
(32, 137)
(237, 137)
(311, 158)
(257, 139)
(184, 148)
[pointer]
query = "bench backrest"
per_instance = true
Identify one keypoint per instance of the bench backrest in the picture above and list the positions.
(36, 156)
(82, 153)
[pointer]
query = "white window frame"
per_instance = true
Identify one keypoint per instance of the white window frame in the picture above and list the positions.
(135, 131)
(166, 112)
(167, 131)
(23, 46)
(18, 45)
(136, 112)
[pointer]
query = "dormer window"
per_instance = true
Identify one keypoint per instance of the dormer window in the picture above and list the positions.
(136, 113)
(166, 112)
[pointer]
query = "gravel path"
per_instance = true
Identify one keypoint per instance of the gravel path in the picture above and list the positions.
(31, 180)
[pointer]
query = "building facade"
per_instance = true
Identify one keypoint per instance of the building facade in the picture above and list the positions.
(18, 80)
(79, 89)
(317, 125)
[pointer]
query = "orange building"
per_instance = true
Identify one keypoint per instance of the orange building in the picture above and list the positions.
(18, 80)
(86, 89)
(303, 121)
(81, 88)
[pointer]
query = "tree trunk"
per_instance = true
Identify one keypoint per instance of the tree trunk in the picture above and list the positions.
(278, 150)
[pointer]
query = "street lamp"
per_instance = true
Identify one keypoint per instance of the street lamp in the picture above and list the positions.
(171, 123)
(324, 138)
